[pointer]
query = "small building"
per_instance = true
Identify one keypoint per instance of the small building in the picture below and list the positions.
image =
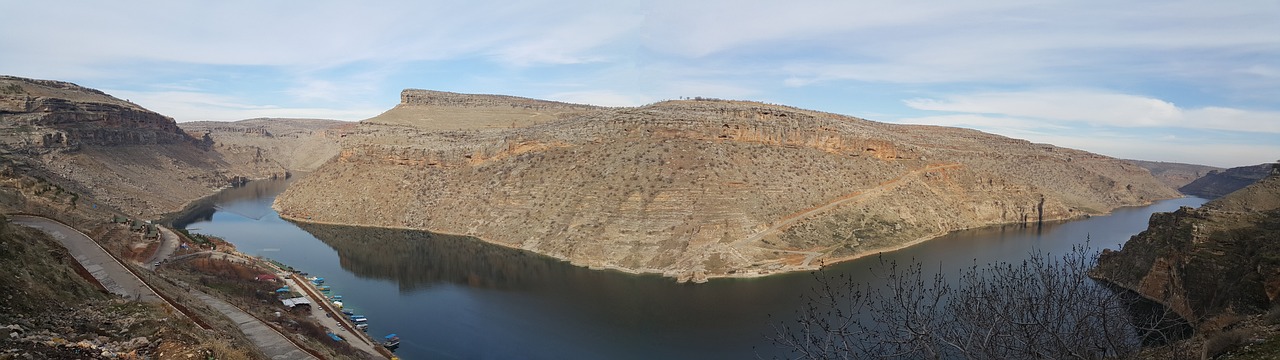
(266, 277)
(297, 304)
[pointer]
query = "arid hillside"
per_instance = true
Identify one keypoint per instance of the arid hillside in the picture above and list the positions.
(1175, 175)
(292, 144)
(695, 189)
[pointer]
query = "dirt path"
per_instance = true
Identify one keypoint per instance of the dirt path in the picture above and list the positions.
(168, 244)
(856, 196)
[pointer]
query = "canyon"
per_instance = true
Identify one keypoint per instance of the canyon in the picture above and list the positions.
(694, 189)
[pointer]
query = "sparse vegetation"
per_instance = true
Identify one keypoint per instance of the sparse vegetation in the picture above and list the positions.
(1045, 307)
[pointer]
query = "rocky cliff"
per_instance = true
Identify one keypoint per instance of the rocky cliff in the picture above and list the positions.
(91, 150)
(1215, 184)
(1218, 261)
(42, 115)
(694, 189)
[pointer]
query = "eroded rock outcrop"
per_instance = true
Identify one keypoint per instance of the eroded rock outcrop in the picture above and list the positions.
(91, 150)
(694, 189)
(1218, 261)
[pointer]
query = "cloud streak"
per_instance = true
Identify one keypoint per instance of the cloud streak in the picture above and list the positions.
(1101, 108)
(1038, 67)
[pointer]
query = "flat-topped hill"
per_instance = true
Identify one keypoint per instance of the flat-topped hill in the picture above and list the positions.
(696, 189)
(439, 110)
(47, 115)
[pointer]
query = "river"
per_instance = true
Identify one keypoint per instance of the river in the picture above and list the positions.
(452, 297)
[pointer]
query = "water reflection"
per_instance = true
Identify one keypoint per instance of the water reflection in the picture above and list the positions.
(244, 200)
(457, 297)
(417, 260)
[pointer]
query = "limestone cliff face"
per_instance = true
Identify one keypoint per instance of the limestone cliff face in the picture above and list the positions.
(695, 189)
(1219, 260)
(44, 115)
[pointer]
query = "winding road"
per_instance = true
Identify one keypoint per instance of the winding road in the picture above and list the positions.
(856, 196)
(105, 268)
(120, 281)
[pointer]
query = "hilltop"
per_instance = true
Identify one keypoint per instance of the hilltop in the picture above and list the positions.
(694, 189)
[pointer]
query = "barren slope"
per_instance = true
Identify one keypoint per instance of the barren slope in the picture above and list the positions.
(696, 189)
(292, 144)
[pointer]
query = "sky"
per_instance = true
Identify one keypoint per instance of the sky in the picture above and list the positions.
(1181, 81)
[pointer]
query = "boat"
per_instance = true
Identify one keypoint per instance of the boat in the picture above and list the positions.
(348, 312)
(337, 304)
(363, 326)
(316, 280)
(336, 298)
(391, 341)
(359, 318)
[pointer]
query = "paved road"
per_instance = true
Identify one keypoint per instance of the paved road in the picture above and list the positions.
(267, 339)
(168, 244)
(320, 307)
(94, 258)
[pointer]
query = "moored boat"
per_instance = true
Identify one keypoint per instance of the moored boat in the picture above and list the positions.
(391, 341)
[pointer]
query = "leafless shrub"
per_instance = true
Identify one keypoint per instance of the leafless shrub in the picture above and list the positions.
(1044, 307)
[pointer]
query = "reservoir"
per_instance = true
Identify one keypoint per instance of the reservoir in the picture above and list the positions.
(450, 297)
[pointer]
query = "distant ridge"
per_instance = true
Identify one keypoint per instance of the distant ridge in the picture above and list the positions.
(1215, 184)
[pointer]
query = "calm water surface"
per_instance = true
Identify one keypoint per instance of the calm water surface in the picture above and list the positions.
(451, 297)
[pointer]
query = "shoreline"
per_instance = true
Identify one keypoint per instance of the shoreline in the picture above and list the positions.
(697, 277)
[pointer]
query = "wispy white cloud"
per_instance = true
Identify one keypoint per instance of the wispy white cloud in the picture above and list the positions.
(600, 98)
(1102, 108)
(1141, 64)
(1157, 144)
(197, 106)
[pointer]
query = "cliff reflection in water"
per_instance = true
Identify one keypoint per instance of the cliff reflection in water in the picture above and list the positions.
(244, 200)
(417, 259)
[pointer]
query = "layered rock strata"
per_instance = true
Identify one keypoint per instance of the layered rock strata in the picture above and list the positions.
(694, 189)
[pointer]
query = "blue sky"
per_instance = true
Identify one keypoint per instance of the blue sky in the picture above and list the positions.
(1184, 81)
